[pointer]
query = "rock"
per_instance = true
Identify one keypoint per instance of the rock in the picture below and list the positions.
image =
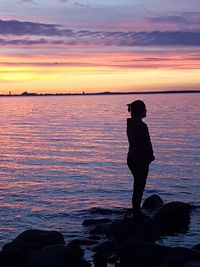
(138, 253)
(122, 229)
(85, 241)
(153, 202)
(89, 222)
(48, 257)
(112, 258)
(75, 249)
(103, 211)
(12, 257)
(174, 217)
(57, 255)
(26, 247)
(184, 207)
(99, 260)
(191, 264)
(41, 237)
(105, 247)
(94, 237)
(196, 248)
(100, 229)
(180, 252)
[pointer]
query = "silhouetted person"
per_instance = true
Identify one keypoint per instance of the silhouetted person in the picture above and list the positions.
(140, 153)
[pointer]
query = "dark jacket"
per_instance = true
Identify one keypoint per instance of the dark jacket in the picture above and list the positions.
(140, 147)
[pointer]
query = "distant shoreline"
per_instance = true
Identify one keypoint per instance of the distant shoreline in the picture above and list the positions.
(26, 94)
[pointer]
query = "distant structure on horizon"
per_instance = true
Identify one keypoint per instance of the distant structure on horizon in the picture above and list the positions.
(28, 94)
(25, 93)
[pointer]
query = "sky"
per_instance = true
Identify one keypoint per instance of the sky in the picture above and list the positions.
(74, 46)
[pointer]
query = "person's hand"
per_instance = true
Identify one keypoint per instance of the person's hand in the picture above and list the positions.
(153, 158)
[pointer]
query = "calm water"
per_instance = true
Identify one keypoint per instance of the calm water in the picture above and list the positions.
(61, 156)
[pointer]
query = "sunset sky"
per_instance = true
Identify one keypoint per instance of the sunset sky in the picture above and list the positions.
(67, 46)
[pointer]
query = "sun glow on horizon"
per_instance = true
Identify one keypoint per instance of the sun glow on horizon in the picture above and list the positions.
(99, 71)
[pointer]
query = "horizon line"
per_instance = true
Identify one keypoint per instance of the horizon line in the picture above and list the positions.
(101, 93)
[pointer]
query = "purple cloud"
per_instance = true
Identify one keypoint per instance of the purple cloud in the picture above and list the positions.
(28, 1)
(81, 4)
(23, 42)
(186, 19)
(20, 28)
(57, 34)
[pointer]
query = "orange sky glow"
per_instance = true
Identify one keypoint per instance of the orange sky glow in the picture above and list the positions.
(98, 47)
(97, 72)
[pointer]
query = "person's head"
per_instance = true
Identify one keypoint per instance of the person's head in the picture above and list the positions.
(137, 109)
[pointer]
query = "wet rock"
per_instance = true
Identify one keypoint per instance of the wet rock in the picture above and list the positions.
(95, 237)
(122, 229)
(48, 257)
(103, 211)
(57, 255)
(90, 222)
(185, 207)
(105, 247)
(180, 252)
(26, 247)
(196, 248)
(100, 229)
(112, 258)
(12, 257)
(138, 253)
(153, 202)
(28, 242)
(191, 264)
(84, 241)
(41, 237)
(75, 249)
(99, 260)
(174, 217)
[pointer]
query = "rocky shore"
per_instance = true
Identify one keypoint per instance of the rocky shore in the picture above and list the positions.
(125, 242)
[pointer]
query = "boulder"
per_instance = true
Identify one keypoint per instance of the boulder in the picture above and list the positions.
(122, 229)
(191, 264)
(153, 203)
(174, 217)
(90, 222)
(41, 237)
(75, 249)
(196, 247)
(105, 247)
(99, 260)
(99, 229)
(26, 247)
(28, 242)
(48, 257)
(84, 241)
(94, 237)
(12, 257)
(56, 255)
(104, 211)
(138, 253)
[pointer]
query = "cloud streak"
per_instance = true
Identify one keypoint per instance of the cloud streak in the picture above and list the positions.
(27, 1)
(32, 33)
(186, 19)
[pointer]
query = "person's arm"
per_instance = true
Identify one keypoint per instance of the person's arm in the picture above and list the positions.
(148, 145)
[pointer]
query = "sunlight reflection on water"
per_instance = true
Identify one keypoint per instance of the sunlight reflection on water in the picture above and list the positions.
(62, 155)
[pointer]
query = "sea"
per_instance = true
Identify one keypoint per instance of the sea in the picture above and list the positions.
(63, 157)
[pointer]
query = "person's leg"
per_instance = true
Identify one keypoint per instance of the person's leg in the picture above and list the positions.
(140, 173)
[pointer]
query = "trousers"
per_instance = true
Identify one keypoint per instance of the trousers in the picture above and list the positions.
(140, 172)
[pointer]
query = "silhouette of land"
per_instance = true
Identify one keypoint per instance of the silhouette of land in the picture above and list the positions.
(102, 93)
